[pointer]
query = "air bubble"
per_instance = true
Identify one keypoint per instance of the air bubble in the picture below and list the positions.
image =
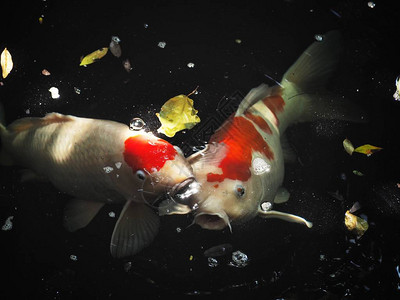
(136, 124)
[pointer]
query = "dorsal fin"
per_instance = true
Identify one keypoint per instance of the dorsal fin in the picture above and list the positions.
(28, 123)
(255, 95)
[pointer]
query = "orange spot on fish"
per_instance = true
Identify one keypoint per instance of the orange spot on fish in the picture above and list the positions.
(241, 138)
(143, 153)
(275, 104)
(259, 121)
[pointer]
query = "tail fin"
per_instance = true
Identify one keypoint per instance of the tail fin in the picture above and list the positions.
(303, 81)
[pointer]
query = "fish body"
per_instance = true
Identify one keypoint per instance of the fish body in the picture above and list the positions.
(241, 170)
(98, 162)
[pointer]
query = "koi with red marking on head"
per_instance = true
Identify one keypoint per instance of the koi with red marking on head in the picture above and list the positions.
(241, 170)
(99, 162)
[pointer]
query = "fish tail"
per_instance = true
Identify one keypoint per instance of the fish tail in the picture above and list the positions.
(303, 82)
(4, 157)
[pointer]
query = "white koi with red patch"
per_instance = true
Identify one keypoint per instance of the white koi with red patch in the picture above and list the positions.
(98, 162)
(242, 168)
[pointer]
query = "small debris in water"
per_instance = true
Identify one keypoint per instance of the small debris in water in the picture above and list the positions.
(239, 260)
(73, 257)
(8, 225)
(145, 25)
(396, 95)
(238, 41)
(55, 93)
(77, 91)
(127, 65)
(118, 164)
(212, 262)
(45, 72)
(111, 214)
(136, 124)
(190, 65)
(178, 229)
(371, 4)
(127, 266)
(318, 37)
(162, 44)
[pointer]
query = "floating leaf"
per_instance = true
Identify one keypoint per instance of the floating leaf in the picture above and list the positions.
(348, 146)
(355, 224)
(94, 56)
(367, 149)
(177, 114)
(6, 62)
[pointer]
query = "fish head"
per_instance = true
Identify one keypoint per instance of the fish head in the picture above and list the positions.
(161, 166)
(220, 200)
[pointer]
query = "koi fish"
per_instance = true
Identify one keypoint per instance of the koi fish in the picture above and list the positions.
(241, 170)
(99, 162)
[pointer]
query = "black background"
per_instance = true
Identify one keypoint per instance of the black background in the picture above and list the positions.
(285, 260)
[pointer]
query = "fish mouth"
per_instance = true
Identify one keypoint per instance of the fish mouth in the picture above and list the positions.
(212, 221)
(183, 190)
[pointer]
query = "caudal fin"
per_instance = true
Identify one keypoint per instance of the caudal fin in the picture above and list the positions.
(303, 82)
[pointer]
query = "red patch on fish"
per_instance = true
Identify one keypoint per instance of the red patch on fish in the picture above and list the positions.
(150, 154)
(275, 104)
(241, 138)
(259, 121)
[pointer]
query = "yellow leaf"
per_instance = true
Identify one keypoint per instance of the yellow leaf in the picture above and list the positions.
(6, 62)
(94, 56)
(355, 224)
(367, 149)
(348, 146)
(177, 114)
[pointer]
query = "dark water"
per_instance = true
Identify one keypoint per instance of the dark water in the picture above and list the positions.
(286, 261)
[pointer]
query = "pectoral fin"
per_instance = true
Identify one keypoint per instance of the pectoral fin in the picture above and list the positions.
(135, 229)
(170, 207)
(282, 195)
(78, 213)
(284, 216)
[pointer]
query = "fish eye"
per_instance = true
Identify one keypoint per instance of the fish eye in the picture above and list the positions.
(141, 174)
(239, 190)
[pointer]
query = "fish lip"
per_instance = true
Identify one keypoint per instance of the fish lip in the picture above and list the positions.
(180, 187)
(212, 220)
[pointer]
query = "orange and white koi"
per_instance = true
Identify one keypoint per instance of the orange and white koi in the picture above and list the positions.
(241, 170)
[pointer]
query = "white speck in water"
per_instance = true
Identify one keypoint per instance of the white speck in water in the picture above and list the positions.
(27, 111)
(239, 259)
(396, 95)
(212, 262)
(145, 25)
(260, 166)
(77, 91)
(318, 37)
(371, 4)
(118, 164)
(238, 41)
(111, 214)
(195, 206)
(136, 124)
(73, 257)
(55, 93)
(162, 44)
(108, 169)
(190, 65)
(265, 206)
(178, 229)
(8, 225)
